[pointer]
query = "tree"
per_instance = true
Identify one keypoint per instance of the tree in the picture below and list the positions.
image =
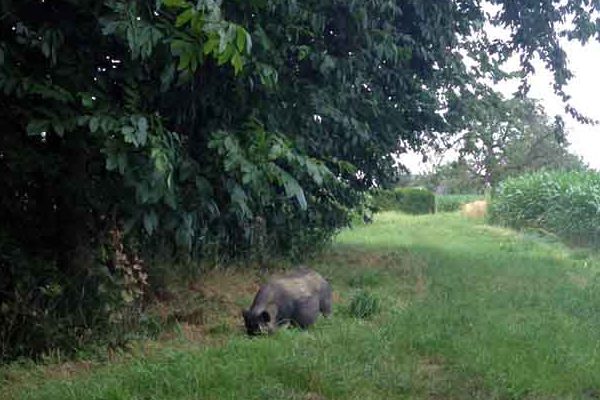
(456, 177)
(496, 122)
(190, 128)
(543, 146)
(505, 138)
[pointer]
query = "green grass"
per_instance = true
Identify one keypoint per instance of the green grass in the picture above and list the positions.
(465, 311)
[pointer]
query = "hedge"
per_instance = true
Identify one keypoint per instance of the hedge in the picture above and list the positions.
(453, 202)
(408, 200)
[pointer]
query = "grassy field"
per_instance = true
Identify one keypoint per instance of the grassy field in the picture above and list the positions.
(467, 311)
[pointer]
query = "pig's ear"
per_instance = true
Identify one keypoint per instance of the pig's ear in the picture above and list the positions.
(245, 314)
(265, 317)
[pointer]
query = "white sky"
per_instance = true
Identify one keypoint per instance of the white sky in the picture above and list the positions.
(584, 88)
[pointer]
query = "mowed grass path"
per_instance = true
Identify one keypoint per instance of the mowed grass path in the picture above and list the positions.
(467, 311)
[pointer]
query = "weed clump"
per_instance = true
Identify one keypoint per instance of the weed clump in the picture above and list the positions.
(364, 305)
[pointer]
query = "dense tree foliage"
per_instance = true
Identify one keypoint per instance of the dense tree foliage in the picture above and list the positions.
(135, 129)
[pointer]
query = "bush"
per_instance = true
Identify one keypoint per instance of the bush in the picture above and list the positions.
(564, 203)
(453, 202)
(408, 200)
(383, 200)
(364, 305)
(45, 306)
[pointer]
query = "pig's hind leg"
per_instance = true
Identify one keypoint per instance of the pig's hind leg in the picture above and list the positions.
(325, 301)
(307, 312)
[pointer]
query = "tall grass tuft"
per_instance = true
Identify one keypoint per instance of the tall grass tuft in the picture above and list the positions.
(364, 305)
(566, 204)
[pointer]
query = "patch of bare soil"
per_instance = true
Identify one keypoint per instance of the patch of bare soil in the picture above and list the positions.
(212, 304)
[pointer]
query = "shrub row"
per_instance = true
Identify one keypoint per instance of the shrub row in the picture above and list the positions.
(453, 202)
(564, 203)
(408, 200)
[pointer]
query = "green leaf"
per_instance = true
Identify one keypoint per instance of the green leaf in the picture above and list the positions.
(197, 24)
(170, 200)
(176, 3)
(82, 120)
(122, 162)
(142, 192)
(86, 100)
(303, 52)
(210, 46)
(248, 42)
(128, 132)
(293, 189)
(178, 47)
(328, 64)
(263, 39)
(237, 63)
(315, 172)
(239, 198)
(184, 237)
(193, 62)
(167, 77)
(150, 222)
(36, 127)
(184, 61)
(109, 27)
(240, 39)
(111, 162)
(46, 49)
(126, 296)
(203, 186)
(268, 75)
(227, 38)
(58, 127)
(94, 123)
(226, 55)
(142, 131)
(184, 17)
(107, 124)
(131, 222)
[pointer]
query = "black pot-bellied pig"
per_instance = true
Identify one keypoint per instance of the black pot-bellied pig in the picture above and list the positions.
(296, 298)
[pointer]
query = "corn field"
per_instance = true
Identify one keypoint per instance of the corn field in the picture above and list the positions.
(563, 203)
